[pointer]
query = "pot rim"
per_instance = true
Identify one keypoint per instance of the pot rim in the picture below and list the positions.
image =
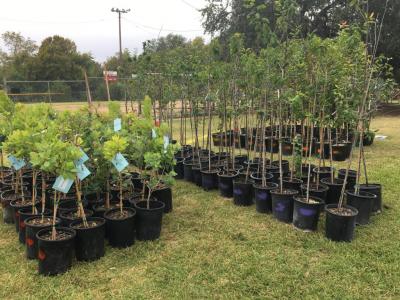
(65, 229)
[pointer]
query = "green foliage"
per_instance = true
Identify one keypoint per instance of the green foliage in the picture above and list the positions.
(117, 144)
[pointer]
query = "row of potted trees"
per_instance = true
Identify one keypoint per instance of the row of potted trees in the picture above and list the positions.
(76, 178)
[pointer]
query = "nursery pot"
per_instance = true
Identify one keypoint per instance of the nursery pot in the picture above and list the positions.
(272, 145)
(243, 192)
(225, 183)
(340, 224)
(262, 197)
(178, 168)
(16, 206)
(287, 147)
(292, 183)
(351, 177)
(8, 211)
(67, 217)
(363, 203)
(196, 171)
(341, 151)
(320, 192)
(32, 226)
(306, 214)
(55, 256)
(257, 177)
(209, 179)
(187, 170)
(282, 204)
(149, 220)
(93, 199)
(334, 191)
(240, 159)
(25, 213)
(136, 180)
(89, 242)
(120, 229)
(376, 189)
(323, 172)
(164, 195)
(285, 165)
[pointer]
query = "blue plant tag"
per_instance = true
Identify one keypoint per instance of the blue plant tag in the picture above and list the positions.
(84, 158)
(117, 124)
(153, 133)
(62, 184)
(83, 171)
(16, 163)
(166, 142)
(119, 162)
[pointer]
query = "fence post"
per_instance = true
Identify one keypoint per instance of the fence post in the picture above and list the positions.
(48, 90)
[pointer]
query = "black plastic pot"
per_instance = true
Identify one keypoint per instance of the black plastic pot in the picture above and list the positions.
(257, 177)
(285, 165)
(179, 168)
(55, 257)
(341, 151)
(149, 220)
(94, 199)
(209, 179)
(89, 242)
(272, 145)
(339, 227)
(363, 203)
(120, 232)
(282, 204)
(164, 195)
(31, 241)
(25, 213)
(67, 220)
(196, 171)
(187, 170)
(320, 192)
(306, 214)
(225, 183)
(16, 207)
(243, 192)
(262, 197)
(136, 180)
(351, 178)
(292, 184)
(334, 191)
(8, 212)
(274, 170)
(376, 189)
(287, 147)
(240, 159)
(323, 172)
(325, 149)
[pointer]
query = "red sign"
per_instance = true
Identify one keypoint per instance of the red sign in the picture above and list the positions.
(110, 75)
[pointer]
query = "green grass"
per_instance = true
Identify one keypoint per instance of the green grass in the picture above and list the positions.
(210, 248)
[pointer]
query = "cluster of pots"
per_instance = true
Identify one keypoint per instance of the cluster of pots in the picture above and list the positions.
(246, 138)
(142, 220)
(243, 183)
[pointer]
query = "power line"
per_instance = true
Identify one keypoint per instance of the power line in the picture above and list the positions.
(52, 22)
(120, 11)
(190, 5)
(164, 29)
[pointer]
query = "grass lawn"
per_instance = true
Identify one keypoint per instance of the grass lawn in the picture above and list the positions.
(210, 248)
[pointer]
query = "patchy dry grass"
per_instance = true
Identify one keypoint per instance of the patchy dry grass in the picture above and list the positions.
(210, 248)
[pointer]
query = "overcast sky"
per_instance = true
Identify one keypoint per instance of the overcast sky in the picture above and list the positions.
(94, 28)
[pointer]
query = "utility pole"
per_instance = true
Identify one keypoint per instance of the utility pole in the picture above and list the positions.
(120, 11)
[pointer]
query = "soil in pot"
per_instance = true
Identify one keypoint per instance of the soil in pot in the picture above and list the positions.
(340, 222)
(209, 179)
(262, 197)
(320, 191)
(120, 228)
(67, 217)
(292, 183)
(335, 188)
(25, 213)
(363, 202)
(149, 220)
(164, 195)
(32, 226)
(376, 189)
(306, 213)
(282, 204)
(243, 192)
(89, 241)
(225, 183)
(55, 256)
